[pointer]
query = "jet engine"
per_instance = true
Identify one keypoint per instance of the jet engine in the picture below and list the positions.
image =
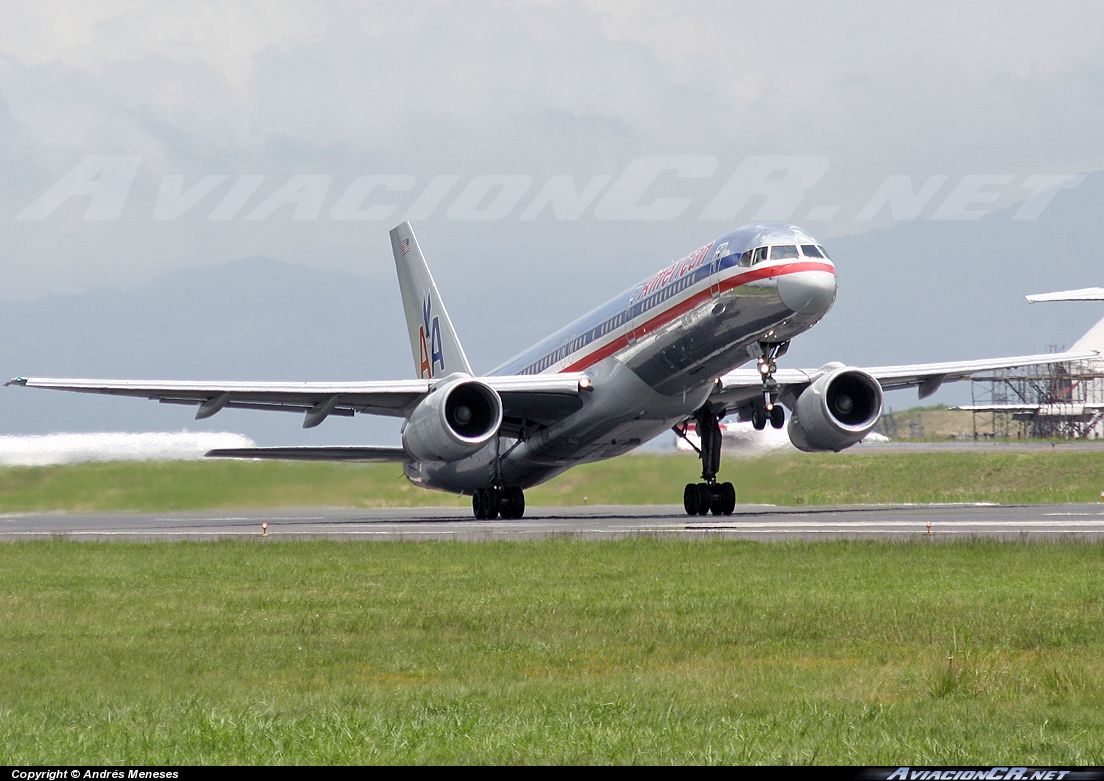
(455, 420)
(836, 411)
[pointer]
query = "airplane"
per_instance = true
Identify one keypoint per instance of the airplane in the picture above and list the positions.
(662, 354)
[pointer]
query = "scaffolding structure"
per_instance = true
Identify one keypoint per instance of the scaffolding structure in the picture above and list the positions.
(1066, 401)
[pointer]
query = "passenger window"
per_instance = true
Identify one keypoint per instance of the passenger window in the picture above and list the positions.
(810, 251)
(745, 259)
(783, 251)
(759, 256)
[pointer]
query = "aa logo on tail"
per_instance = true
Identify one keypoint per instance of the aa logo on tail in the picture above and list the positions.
(431, 351)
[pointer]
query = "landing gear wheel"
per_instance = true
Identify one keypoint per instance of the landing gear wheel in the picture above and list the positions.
(705, 498)
(485, 504)
(759, 419)
(728, 498)
(697, 499)
(690, 499)
(511, 503)
(716, 500)
(777, 416)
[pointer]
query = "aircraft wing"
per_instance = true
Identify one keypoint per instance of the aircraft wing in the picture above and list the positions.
(539, 399)
(737, 388)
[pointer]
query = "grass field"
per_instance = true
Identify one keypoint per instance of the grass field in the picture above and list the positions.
(558, 651)
(846, 478)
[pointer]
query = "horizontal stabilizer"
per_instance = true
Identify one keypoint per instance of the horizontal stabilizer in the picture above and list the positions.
(379, 454)
(1082, 294)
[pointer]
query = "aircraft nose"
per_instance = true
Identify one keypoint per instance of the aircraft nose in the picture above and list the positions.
(807, 292)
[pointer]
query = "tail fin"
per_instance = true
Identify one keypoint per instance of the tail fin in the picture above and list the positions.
(433, 340)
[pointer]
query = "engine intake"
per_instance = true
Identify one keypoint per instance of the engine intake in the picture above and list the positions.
(458, 418)
(836, 411)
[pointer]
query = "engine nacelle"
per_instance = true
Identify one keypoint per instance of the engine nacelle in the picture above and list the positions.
(460, 416)
(836, 411)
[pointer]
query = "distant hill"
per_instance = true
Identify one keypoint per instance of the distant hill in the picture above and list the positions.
(254, 318)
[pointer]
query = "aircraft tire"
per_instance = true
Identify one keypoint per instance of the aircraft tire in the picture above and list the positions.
(716, 500)
(777, 416)
(728, 498)
(705, 498)
(512, 503)
(759, 419)
(485, 504)
(690, 499)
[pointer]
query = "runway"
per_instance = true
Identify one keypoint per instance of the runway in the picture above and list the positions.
(750, 522)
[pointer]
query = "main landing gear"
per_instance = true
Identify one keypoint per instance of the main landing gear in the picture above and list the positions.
(708, 496)
(490, 503)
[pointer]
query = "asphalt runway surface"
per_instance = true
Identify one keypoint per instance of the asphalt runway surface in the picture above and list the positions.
(752, 522)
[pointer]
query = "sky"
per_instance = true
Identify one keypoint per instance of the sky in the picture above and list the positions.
(537, 147)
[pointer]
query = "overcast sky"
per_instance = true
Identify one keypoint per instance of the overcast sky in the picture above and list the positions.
(217, 95)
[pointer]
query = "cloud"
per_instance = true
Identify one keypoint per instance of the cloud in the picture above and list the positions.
(51, 449)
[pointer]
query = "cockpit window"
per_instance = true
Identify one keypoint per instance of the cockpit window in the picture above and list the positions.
(810, 251)
(824, 252)
(745, 259)
(783, 251)
(759, 256)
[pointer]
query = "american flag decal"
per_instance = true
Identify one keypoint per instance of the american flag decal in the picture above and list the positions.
(405, 246)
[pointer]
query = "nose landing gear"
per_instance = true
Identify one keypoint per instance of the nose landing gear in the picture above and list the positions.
(766, 354)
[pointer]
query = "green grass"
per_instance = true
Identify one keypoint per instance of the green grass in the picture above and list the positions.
(558, 651)
(846, 478)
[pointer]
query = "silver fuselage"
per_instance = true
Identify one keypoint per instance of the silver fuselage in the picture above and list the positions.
(654, 352)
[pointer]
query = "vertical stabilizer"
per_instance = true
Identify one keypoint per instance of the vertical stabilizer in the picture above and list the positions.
(433, 340)
(1092, 340)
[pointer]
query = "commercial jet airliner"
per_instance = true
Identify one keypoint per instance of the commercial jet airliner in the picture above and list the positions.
(662, 354)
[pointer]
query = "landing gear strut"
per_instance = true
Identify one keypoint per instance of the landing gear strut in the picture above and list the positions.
(708, 496)
(490, 503)
(766, 353)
